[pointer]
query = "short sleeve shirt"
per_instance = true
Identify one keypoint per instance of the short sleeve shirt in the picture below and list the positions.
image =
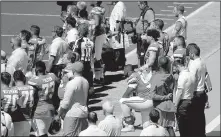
(57, 49)
(186, 83)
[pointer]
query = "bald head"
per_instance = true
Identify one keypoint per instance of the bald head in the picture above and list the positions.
(3, 55)
(16, 41)
(108, 107)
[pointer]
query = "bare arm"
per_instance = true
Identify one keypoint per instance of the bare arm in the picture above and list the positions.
(50, 63)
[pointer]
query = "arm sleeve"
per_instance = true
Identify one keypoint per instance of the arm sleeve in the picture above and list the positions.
(11, 65)
(102, 126)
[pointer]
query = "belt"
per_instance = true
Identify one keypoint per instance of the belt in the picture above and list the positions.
(199, 92)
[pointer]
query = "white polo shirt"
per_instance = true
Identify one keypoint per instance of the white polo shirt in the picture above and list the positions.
(118, 13)
(57, 49)
(17, 61)
(72, 35)
(111, 125)
(152, 130)
(186, 82)
(198, 68)
(92, 130)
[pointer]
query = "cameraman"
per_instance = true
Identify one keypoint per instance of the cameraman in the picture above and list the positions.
(146, 17)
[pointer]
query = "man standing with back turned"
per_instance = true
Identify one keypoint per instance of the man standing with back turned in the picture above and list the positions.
(146, 17)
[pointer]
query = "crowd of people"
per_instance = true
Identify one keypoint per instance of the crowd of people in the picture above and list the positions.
(168, 88)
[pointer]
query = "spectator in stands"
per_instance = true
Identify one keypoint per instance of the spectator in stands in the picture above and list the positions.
(57, 49)
(153, 128)
(92, 129)
(3, 61)
(73, 108)
(198, 68)
(111, 125)
(72, 32)
(19, 58)
(183, 96)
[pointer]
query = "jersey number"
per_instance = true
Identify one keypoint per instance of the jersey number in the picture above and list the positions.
(10, 102)
(28, 96)
(48, 89)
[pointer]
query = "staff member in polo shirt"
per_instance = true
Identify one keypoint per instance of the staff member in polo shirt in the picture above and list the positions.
(181, 24)
(92, 129)
(153, 128)
(111, 125)
(3, 61)
(146, 17)
(73, 108)
(57, 49)
(18, 59)
(198, 68)
(184, 94)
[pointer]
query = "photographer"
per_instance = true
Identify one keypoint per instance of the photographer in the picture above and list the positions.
(146, 17)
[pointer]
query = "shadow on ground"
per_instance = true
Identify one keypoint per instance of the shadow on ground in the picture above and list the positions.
(94, 108)
(103, 88)
(94, 101)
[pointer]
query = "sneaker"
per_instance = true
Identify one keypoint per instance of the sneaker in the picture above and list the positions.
(129, 128)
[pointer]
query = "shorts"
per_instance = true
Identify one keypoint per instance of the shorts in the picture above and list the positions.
(73, 126)
(22, 128)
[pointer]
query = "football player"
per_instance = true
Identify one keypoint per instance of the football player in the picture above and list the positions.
(27, 99)
(45, 110)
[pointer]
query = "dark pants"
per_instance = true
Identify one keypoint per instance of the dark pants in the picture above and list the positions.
(184, 117)
(198, 106)
(87, 73)
(142, 46)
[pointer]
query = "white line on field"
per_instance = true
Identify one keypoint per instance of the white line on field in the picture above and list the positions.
(185, 3)
(213, 124)
(165, 19)
(171, 27)
(21, 14)
(169, 15)
(168, 11)
(185, 7)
